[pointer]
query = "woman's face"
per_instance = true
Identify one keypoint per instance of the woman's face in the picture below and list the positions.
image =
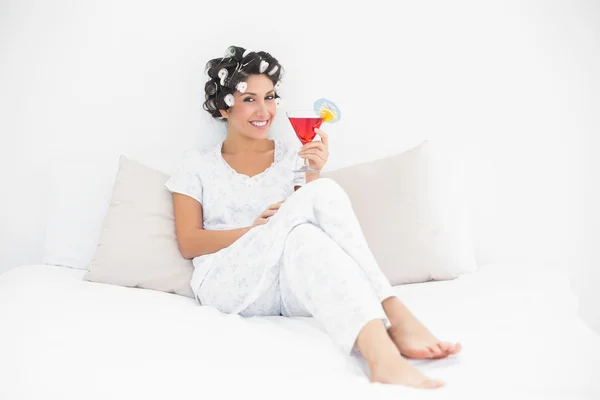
(253, 110)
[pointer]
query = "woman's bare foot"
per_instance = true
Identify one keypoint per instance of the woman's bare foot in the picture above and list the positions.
(396, 370)
(418, 342)
(411, 337)
(384, 359)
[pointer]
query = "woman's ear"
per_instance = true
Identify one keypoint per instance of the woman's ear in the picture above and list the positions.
(224, 113)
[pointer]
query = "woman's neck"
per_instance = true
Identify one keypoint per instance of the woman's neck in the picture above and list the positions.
(235, 144)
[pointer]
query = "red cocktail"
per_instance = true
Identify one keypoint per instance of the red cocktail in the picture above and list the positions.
(304, 124)
(305, 127)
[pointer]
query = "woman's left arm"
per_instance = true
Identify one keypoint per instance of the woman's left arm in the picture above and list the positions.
(317, 154)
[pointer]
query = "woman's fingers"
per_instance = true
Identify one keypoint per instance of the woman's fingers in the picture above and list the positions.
(324, 136)
(314, 157)
(275, 206)
(313, 145)
(272, 210)
(269, 213)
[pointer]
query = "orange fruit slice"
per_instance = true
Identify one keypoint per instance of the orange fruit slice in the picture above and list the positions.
(327, 115)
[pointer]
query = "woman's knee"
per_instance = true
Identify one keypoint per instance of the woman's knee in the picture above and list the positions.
(327, 184)
(327, 188)
(304, 247)
(303, 234)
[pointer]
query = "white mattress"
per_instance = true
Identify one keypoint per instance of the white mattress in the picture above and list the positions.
(64, 338)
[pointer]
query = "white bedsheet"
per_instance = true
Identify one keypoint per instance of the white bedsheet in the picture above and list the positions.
(61, 337)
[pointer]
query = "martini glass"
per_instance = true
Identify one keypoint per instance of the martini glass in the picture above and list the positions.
(304, 123)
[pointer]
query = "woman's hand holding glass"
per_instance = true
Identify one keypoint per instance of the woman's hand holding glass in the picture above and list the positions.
(317, 153)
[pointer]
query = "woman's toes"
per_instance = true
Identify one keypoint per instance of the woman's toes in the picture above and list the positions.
(457, 348)
(436, 352)
(428, 352)
(449, 348)
(419, 353)
(444, 352)
(446, 347)
(432, 384)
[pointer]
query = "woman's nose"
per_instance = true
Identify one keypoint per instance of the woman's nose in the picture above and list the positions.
(263, 109)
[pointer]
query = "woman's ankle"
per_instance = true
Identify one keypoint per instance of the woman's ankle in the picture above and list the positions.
(396, 311)
(375, 344)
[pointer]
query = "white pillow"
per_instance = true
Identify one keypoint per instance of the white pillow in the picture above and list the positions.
(413, 214)
(80, 192)
(138, 244)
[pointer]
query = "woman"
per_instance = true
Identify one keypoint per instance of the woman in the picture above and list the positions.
(261, 248)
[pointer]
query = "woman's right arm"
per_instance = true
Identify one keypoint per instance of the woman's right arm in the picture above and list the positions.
(192, 238)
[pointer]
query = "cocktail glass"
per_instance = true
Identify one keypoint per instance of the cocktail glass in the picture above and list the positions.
(304, 123)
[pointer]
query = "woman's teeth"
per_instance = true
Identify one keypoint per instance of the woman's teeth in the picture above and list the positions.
(259, 123)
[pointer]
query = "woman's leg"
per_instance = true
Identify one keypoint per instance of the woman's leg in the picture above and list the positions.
(242, 272)
(318, 278)
(268, 303)
(333, 213)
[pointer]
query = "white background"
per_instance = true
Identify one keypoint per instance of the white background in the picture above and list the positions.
(510, 87)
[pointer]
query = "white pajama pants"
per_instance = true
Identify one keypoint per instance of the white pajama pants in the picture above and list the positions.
(310, 259)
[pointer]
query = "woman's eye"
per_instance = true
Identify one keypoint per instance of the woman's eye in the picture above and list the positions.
(250, 99)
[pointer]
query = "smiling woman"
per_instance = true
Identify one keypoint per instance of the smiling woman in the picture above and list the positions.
(260, 248)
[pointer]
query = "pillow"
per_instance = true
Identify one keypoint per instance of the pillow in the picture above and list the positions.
(413, 215)
(80, 191)
(138, 246)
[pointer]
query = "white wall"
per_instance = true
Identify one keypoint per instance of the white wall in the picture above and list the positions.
(585, 271)
(510, 86)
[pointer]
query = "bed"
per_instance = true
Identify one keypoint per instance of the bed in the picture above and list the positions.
(64, 337)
